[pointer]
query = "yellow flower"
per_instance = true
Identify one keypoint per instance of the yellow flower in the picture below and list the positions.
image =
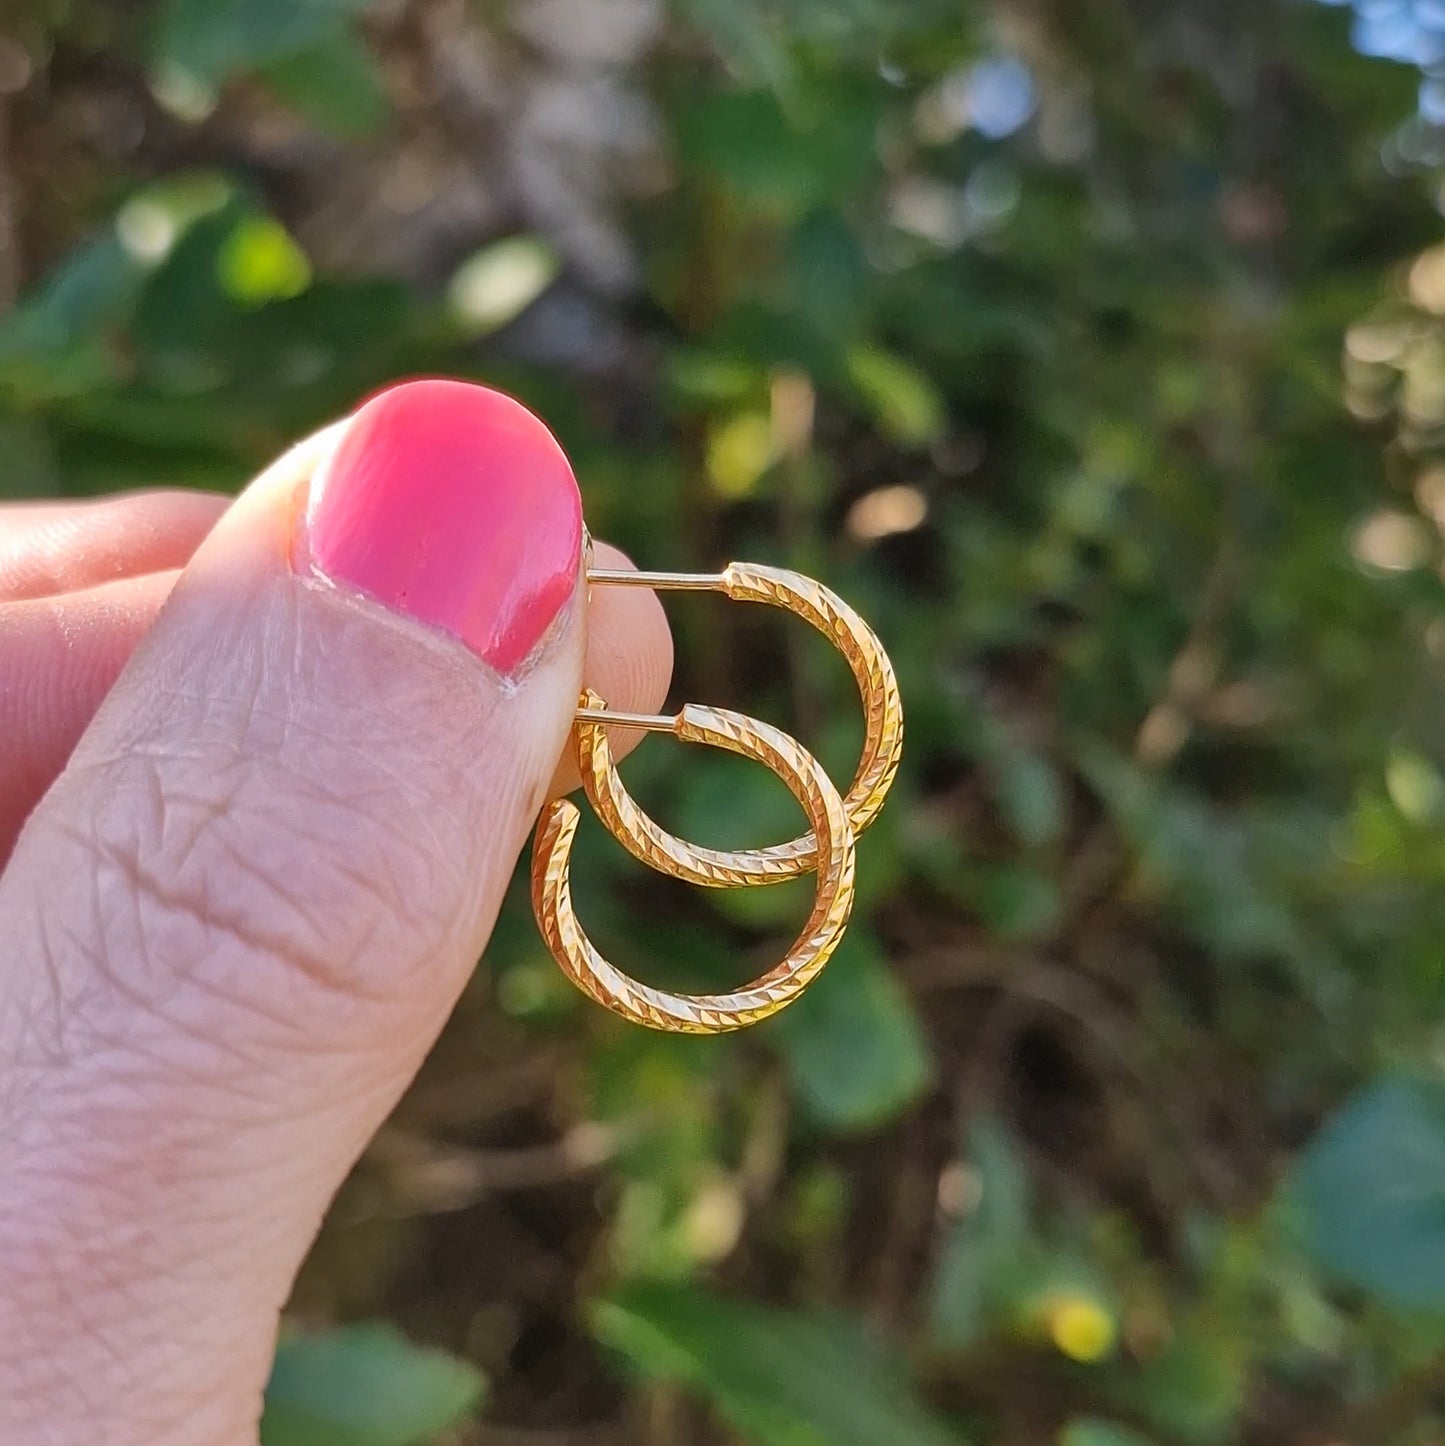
(1080, 1327)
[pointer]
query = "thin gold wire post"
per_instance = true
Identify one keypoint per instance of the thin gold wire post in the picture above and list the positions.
(672, 581)
(649, 722)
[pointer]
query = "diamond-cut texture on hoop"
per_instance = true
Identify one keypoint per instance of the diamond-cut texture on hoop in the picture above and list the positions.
(882, 746)
(706, 1013)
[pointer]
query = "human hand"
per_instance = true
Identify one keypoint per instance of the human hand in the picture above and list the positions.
(261, 873)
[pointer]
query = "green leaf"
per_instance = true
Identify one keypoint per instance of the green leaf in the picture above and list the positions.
(904, 402)
(1030, 795)
(989, 1242)
(728, 802)
(335, 83)
(28, 468)
(740, 449)
(185, 309)
(259, 262)
(1370, 1192)
(1193, 1392)
(828, 275)
(784, 165)
(1206, 858)
(1015, 902)
(208, 41)
(852, 1043)
(364, 1385)
(779, 1379)
(92, 290)
(1089, 1431)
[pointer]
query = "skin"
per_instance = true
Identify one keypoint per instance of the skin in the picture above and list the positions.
(235, 911)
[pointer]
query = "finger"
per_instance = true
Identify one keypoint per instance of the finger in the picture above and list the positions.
(60, 655)
(629, 658)
(56, 547)
(242, 913)
(58, 659)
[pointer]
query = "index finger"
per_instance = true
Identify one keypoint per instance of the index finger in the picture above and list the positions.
(49, 548)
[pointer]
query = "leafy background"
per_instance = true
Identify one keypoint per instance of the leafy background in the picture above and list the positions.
(1096, 351)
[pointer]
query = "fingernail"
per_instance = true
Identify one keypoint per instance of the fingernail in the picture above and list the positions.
(453, 504)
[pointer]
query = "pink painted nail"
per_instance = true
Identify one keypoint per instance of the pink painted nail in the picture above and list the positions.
(453, 504)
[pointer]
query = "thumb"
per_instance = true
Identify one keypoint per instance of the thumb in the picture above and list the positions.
(240, 917)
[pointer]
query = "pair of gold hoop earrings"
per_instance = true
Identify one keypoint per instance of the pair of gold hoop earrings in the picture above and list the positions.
(827, 849)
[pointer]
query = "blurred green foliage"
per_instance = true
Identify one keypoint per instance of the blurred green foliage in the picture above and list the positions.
(1095, 351)
(363, 1386)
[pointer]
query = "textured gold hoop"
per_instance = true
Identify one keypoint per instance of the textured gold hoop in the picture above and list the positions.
(705, 1013)
(882, 743)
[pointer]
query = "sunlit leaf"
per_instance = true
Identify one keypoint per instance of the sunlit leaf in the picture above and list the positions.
(739, 450)
(903, 400)
(260, 262)
(158, 215)
(1071, 1305)
(501, 281)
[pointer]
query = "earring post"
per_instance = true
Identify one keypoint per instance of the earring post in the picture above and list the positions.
(649, 722)
(679, 581)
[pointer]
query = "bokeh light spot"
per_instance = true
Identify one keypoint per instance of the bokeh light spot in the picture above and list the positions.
(1081, 1328)
(1415, 786)
(1001, 96)
(1390, 541)
(501, 281)
(886, 511)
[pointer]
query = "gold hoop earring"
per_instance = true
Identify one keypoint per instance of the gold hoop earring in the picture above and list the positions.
(647, 840)
(833, 852)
